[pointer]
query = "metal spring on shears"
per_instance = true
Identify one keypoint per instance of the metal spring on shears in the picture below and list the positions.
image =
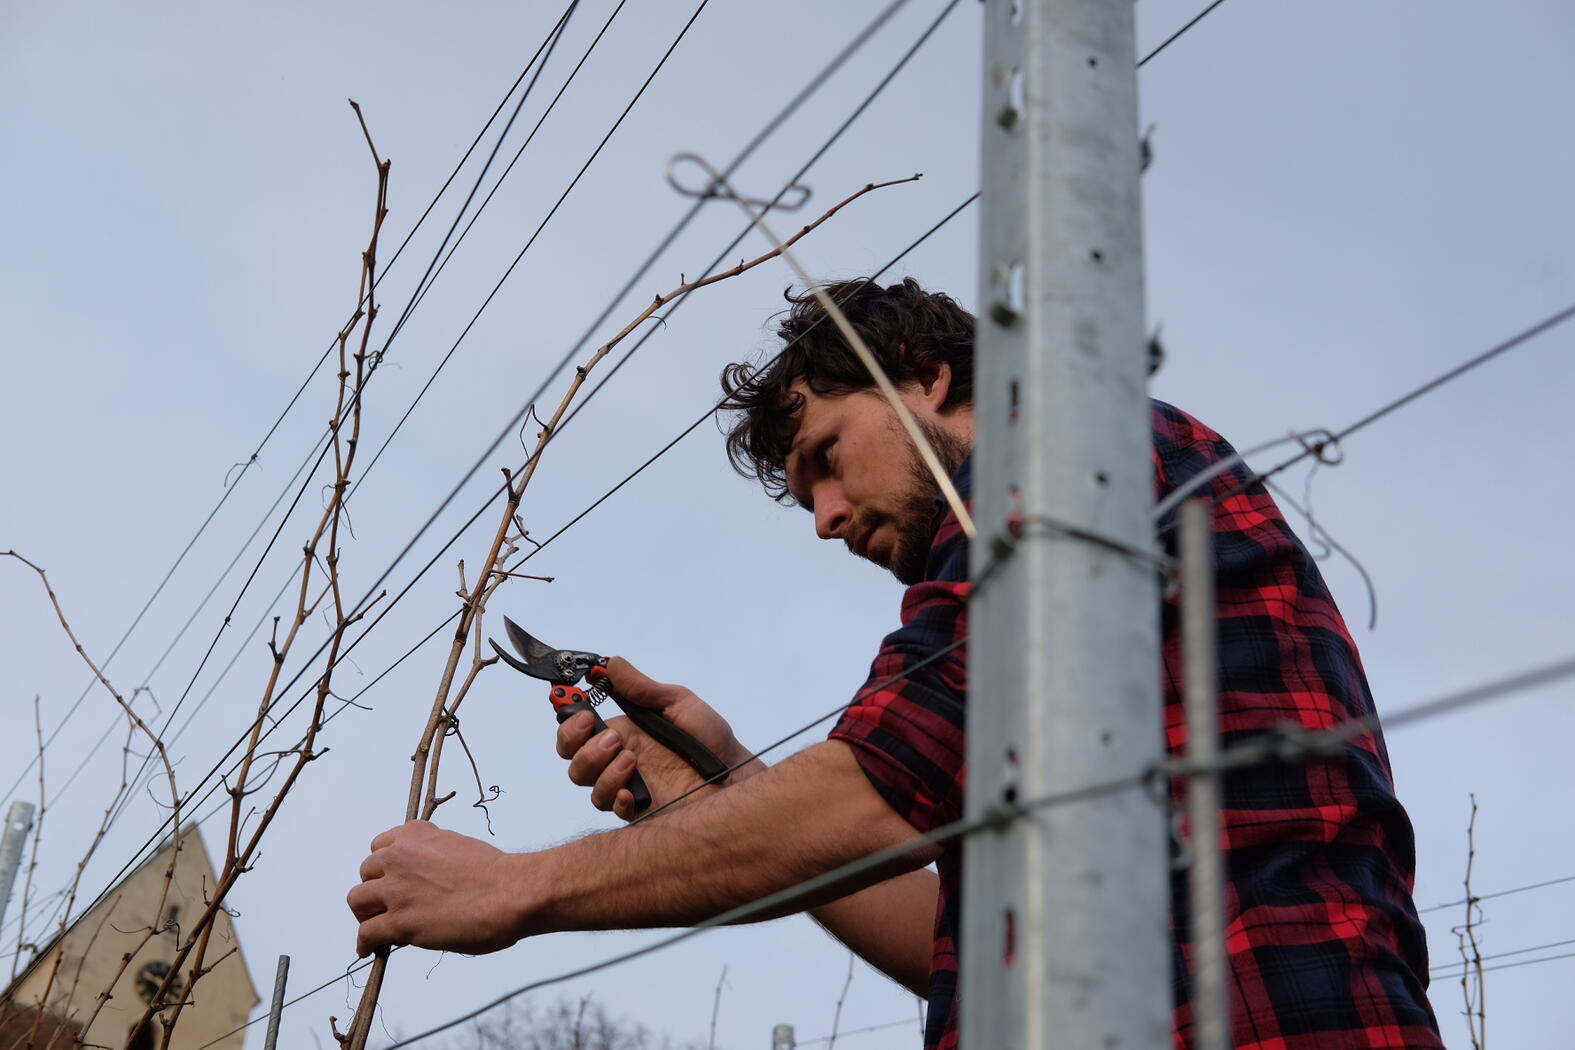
(596, 693)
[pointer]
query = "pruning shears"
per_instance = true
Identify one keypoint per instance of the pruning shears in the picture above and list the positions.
(566, 668)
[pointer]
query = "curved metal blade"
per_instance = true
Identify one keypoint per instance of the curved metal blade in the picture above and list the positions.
(532, 649)
(540, 660)
(509, 658)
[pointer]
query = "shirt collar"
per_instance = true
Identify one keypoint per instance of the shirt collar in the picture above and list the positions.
(962, 479)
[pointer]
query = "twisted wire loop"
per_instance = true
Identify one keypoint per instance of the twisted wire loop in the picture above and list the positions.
(717, 186)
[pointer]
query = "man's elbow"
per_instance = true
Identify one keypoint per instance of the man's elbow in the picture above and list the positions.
(862, 814)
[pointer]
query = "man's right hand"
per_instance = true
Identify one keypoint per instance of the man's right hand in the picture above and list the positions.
(605, 761)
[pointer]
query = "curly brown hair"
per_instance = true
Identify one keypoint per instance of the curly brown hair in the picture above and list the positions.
(908, 329)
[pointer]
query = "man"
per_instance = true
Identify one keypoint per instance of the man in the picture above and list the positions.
(1325, 946)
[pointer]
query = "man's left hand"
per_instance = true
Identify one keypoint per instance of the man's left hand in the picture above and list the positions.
(436, 889)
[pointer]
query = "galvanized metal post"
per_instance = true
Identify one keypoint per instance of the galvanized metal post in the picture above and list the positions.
(1065, 909)
(782, 1037)
(1206, 874)
(276, 1007)
(18, 822)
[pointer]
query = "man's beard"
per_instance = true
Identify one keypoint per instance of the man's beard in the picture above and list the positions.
(916, 514)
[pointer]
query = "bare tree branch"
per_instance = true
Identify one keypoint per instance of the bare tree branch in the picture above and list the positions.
(716, 1007)
(836, 1018)
(1472, 984)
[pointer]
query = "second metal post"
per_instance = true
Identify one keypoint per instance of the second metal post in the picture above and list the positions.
(1206, 874)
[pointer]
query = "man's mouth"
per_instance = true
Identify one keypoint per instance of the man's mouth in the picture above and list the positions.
(863, 546)
(859, 544)
(856, 544)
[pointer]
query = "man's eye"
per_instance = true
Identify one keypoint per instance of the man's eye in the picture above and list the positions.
(823, 456)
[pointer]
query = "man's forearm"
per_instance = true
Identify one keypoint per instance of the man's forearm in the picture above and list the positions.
(890, 926)
(809, 815)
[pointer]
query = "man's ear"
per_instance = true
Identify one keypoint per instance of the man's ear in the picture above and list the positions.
(935, 384)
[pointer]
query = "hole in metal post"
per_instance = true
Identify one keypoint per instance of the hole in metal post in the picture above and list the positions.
(1011, 283)
(1009, 791)
(1014, 401)
(1101, 478)
(1009, 937)
(1015, 101)
(1015, 12)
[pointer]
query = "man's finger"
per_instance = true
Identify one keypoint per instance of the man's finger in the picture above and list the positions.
(365, 901)
(623, 805)
(377, 932)
(385, 839)
(592, 760)
(614, 778)
(371, 868)
(573, 733)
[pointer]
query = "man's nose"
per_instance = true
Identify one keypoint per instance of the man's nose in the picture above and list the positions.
(832, 514)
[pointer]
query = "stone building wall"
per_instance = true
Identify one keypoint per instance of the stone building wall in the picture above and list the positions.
(93, 948)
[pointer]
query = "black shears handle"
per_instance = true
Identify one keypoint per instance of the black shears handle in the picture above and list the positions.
(700, 758)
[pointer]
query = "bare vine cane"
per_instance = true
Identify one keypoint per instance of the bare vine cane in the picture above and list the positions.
(345, 430)
(423, 799)
(134, 726)
(1473, 987)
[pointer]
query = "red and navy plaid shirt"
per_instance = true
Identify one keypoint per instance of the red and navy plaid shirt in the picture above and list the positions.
(1325, 947)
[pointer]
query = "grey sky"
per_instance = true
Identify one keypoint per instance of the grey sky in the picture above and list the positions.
(1347, 198)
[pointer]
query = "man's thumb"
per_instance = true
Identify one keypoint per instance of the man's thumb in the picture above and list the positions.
(633, 685)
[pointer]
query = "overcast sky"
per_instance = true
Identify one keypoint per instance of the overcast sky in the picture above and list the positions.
(1347, 198)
